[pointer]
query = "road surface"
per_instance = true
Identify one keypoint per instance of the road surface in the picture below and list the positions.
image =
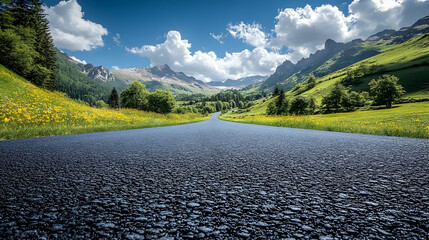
(215, 179)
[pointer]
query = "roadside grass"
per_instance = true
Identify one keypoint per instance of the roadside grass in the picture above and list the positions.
(403, 120)
(28, 111)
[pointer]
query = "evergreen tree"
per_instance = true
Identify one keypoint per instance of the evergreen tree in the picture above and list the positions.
(280, 99)
(276, 91)
(114, 99)
(44, 44)
(25, 42)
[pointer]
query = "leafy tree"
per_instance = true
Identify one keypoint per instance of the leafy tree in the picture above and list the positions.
(161, 101)
(136, 96)
(358, 99)
(311, 107)
(334, 98)
(299, 106)
(386, 89)
(271, 108)
(114, 99)
(219, 106)
(311, 82)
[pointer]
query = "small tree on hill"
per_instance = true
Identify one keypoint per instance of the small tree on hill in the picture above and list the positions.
(335, 97)
(114, 99)
(311, 82)
(386, 89)
(276, 91)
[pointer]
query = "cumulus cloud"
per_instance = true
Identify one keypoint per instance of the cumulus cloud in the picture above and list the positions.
(117, 39)
(301, 31)
(250, 33)
(70, 31)
(371, 16)
(115, 68)
(206, 66)
(77, 60)
(217, 37)
(304, 30)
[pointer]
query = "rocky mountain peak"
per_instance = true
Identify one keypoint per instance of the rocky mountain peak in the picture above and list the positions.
(421, 21)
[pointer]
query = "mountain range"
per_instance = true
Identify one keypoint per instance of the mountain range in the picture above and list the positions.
(89, 83)
(238, 83)
(335, 56)
(163, 77)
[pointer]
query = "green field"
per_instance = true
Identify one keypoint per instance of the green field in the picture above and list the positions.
(408, 61)
(403, 120)
(28, 111)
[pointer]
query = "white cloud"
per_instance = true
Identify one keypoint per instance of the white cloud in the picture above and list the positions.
(117, 39)
(217, 37)
(70, 31)
(206, 65)
(300, 30)
(78, 60)
(371, 16)
(304, 30)
(250, 33)
(115, 68)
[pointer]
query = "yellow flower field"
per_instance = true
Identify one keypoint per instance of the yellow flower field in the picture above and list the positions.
(28, 111)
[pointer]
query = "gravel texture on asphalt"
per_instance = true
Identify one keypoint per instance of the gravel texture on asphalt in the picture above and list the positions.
(215, 179)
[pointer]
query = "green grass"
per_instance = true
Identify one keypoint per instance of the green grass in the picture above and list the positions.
(28, 111)
(408, 61)
(403, 120)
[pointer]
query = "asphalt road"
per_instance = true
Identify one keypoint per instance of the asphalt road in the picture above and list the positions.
(215, 179)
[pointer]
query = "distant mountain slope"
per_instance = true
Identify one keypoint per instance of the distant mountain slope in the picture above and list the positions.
(336, 56)
(239, 83)
(77, 85)
(163, 77)
(409, 61)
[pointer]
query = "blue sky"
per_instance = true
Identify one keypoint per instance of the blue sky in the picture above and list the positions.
(261, 33)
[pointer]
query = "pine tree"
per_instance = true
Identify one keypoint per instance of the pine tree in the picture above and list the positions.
(44, 46)
(276, 91)
(114, 99)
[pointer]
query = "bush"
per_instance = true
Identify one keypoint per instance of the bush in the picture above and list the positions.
(161, 101)
(101, 104)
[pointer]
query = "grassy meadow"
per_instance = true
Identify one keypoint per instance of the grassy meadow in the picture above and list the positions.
(403, 120)
(28, 111)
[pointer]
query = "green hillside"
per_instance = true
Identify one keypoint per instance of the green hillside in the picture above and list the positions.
(408, 61)
(29, 111)
(78, 85)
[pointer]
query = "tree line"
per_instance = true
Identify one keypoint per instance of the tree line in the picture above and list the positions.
(26, 46)
(138, 97)
(384, 91)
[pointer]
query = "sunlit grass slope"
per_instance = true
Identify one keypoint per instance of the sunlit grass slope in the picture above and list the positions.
(404, 120)
(28, 111)
(408, 61)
